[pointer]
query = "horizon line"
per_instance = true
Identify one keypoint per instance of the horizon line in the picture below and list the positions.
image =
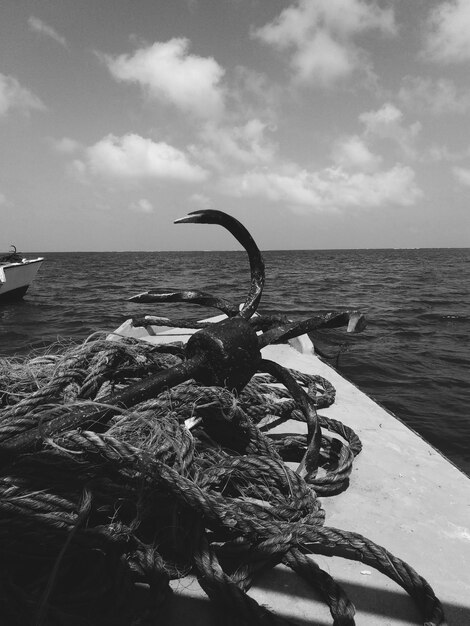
(242, 250)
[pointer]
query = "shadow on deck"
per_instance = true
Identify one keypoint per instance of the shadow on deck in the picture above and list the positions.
(290, 598)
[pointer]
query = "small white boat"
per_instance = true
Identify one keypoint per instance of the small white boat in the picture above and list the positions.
(16, 274)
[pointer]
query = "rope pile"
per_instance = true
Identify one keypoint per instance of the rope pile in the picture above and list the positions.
(94, 524)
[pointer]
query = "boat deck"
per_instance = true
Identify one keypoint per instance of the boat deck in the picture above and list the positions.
(403, 494)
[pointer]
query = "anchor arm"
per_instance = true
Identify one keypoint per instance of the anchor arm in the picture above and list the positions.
(242, 235)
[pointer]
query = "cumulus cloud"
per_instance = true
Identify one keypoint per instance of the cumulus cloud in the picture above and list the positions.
(142, 206)
(441, 153)
(329, 189)
(253, 95)
(132, 158)
(357, 177)
(320, 36)
(352, 153)
(244, 144)
(170, 74)
(436, 96)
(14, 96)
(38, 26)
(448, 32)
(380, 121)
(462, 174)
(387, 123)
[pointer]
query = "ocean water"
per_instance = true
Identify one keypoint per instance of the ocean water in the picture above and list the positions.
(413, 357)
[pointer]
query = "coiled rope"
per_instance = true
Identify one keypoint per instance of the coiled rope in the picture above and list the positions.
(94, 524)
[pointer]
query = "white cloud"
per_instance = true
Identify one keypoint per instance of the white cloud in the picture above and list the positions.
(381, 120)
(320, 36)
(142, 206)
(386, 123)
(441, 153)
(436, 96)
(14, 96)
(132, 157)
(253, 95)
(38, 26)
(6, 202)
(245, 144)
(462, 174)
(170, 74)
(328, 189)
(324, 59)
(353, 153)
(448, 35)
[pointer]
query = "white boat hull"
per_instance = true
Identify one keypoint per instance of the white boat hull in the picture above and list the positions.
(15, 278)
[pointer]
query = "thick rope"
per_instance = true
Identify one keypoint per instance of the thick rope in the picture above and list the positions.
(94, 524)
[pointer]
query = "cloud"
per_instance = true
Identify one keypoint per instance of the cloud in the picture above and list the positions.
(6, 202)
(132, 158)
(253, 95)
(448, 32)
(14, 96)
(170, 74)
(329, 189)
(142, 206)
(441, 153)
(352, 153)
(319, 35)
(38, 26)
(436, 96)
(386, 123)
(380, 121)
(245, 144)
(462, 174)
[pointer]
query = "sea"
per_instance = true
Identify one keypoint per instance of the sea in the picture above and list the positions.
(413, 357)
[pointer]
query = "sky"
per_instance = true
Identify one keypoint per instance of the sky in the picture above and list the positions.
(317, 123)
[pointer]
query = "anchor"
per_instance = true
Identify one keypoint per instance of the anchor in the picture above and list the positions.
(220, 500)
(225, 353)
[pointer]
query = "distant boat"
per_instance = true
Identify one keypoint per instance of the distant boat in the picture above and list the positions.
(16, 274)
